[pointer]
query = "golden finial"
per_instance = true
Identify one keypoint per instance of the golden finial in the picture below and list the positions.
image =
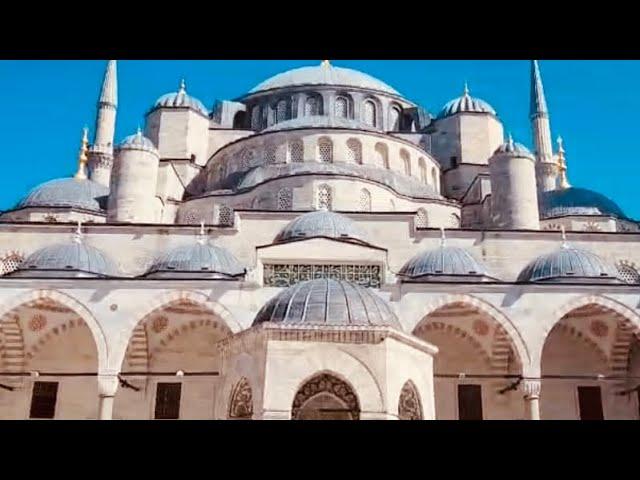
(81, 174)
(562, 166)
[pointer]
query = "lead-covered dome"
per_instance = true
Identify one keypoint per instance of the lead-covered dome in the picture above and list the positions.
(324, 74)
(577, 201)
(181, 99)
(67, 192)
(513, 148)
(327, 302)
(138, 141)
(465, 104)
(198, 260)
(72, 259)
(321, 223)
(569, 264)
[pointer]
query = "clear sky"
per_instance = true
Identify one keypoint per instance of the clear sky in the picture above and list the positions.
(594, 106)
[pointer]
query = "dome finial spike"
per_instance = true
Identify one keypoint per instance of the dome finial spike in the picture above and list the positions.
(325, 63)
(466, 88)
(510, 140)
(81, 174)
(560, 144)
(202, 235)
(77, 236)
(183, 87)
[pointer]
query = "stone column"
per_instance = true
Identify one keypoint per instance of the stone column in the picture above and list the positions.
(531, 390)
(107, 388)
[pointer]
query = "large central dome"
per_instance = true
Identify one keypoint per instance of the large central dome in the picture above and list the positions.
(324, 74)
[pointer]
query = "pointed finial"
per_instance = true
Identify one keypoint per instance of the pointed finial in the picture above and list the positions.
(560, 145)
(466, 88)
(562, 166)
(565, 244)
(77, 236)
(139, 132)
(443, 237)
(325, 63)
(183, 87)
(510, 140)
(202, 235)
(81, 174)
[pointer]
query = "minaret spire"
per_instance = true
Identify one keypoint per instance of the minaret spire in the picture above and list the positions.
(101, 154)
(546, 167)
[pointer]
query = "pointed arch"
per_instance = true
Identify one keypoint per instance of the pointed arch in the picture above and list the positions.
(329, 383)
(409, 404)
(241, 401)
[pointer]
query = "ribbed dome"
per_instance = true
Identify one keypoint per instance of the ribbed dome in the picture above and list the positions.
(67, 192)
(466, 104)
(444, 263)
(199, 260)
(319, 121)
(512, 148)
(321, 223)
(181, 99)
(73, 259)
(138, 142)
(324, 74)
(328, 302)
(577, 201)
(569, 264)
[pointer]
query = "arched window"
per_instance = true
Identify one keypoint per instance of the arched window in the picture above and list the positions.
(312, 106)
(409, 406)
(325, 150)
(341, 107)
(225, 216)
(10, 262)
(406, 160)
(628, 273)
(365, 200)
(369, 113)
(270, 154)
(325, 397)
(354, 151)
(394, 119)
(285, 199)
(434, 179)
(325, 198)
(241, 402)
(282, 111)
(239, 120)
(296, 151)
(255, 118)
(423, 171)
(454, 221)
(382, 152)
(220, 174)
(422, 220)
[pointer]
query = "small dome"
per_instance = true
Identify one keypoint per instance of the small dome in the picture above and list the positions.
(67, 192)
(577, 201)
(327, 302)
(73, 259)
(444, 263)
(324, 74)
(466, 104)
(321, 223)
(319, 121)
(181, 99)
(200, 260)
(138, 142)
(515, 149)
(569, 264)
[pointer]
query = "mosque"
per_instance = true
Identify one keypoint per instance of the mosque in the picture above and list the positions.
(321, 247)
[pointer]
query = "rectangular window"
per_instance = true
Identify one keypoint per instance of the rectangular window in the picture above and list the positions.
(43, 400)
(590, 402)
(469, 402)
(168, 401)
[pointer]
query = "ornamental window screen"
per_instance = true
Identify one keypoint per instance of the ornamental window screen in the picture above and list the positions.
(255, 118)
(325, 198)
(422, 220)
(241, 404)
(296, 151)
(285, 199)
(423, 171)
(10, 263)
(325, 150)
(225, 216)
(341, 107)
(281, 111)
(354, 151)
(406, 160)
(312, 107)
(382, 152)
(286, 275)
(270, 154)
(365, 200)
(434, 178)
(394, 119)
(369, 113)
(628, 273)
(409, 406)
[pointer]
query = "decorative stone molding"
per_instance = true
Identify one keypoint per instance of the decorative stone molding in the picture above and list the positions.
(531, 388)
(108, 385)
(409, 406)
(241, 403)
(325, 383)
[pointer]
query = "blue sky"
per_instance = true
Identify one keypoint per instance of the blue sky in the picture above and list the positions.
(594, 106)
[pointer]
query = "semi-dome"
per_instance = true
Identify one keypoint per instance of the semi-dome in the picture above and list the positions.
(138, 142)
(513, 148)
(319, 121)
(327, 302)
(466, 104)
(569, 264)
(67, 192)
(181, 99)
(324, 74)
(321, 223)
(72, 259)
(577, 201)
(197, 260)
(445, 263)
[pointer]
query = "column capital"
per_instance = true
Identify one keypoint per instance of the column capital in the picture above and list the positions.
(108, 384)
(531, 388)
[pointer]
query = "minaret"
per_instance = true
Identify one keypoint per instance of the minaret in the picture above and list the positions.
(101, 153)
(546, 167)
